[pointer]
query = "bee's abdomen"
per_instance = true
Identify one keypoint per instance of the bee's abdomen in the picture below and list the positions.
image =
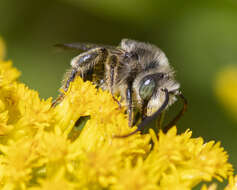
(99, 66)
(111, 71)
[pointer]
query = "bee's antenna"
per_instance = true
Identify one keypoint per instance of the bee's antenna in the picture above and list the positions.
(149, 119)
(179, 115)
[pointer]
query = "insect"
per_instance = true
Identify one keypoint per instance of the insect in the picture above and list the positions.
(139, 72)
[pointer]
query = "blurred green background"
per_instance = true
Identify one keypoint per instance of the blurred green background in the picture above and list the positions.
(199, 38)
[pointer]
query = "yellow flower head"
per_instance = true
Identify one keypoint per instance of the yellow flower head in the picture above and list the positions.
(72, 145)
(17, 161)
(23, 113)
(58, 182)
(232, 183)
(231, 186)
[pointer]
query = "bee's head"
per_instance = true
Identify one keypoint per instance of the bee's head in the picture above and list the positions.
(149, 90)
(155, 75)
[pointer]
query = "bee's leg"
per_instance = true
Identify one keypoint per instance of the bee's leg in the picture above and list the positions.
(57, 100)
(144, 110)
(71, 77)
(82, 65)
(120, 106)
(160, 120)
(179, 115)
(150, 118)
(113, 63)
(129, 104)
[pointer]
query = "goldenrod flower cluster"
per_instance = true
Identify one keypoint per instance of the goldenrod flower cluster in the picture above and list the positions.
(42, 147)
(226, 89)
(231, 186)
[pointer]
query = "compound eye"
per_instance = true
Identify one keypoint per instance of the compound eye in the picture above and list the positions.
(147, 88)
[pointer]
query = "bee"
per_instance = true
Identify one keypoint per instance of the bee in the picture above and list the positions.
(139, 72)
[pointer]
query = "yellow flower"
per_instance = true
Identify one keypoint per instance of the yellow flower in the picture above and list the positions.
(211, 187)
(72, 145)
(8, 74)
(226, 89)
(17, 162)
(23, 113)
(135, 177)
(232, 183)
(231, 186)
(58, 182)
(184, 160)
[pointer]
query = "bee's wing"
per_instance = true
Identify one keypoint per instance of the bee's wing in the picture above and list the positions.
(82, 46)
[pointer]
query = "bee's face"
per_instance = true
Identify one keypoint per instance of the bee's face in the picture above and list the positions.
(149, 91)
(156, 75)
(158, 96)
